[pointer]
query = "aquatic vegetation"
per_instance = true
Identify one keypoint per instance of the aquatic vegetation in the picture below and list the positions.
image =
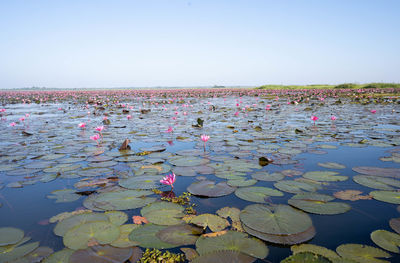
(267, 178)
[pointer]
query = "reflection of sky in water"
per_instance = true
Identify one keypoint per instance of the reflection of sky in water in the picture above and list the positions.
(55, 131)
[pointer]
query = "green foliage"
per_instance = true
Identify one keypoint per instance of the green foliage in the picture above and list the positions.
(157, 256)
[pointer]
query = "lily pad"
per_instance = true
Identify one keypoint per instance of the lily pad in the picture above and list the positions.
(332, 165)
(64, 196)
(180, 235)
(306, 257)
(210, 189)
(64, 225)
(232, 240)
(352, 195)
(282, 220)
(318, 204)
(395, 224)
(323, 251)
(59, 256)
(370, 170)
(264, 176)
(10, 235)
(101, 232)
(214, 222)
(224, 256)
(392, 197)
(188, 161)
(146, 236)
(117, 217)
(141, 182)
(123, 239)
(241, 182)
(325, 176)
(386, 240)
(256, 194)
(362, 253)
(101, 254)
(376, 182)
(17, 252)
(295, 187)
(123, 200)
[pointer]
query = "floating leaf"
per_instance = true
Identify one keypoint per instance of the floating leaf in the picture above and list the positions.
(306, 257)
(256, 193)
(138, 220)
(264, 176)
(117, 217)
(318, 204)
(101, 231)
(295, 187)
(64, 196)
(180, 235)
(188, 161)
(190, 253)
(231, 212)
(17, 252)
(376, 182)
(232, 240)
(141, 182)
(122, 200)
(214, 222)
(241, 182)
(322, 251)
(163, 213)
(332, 165)
(36, 255)
(59, 256)
(378, 171)
(146, 236)
(362, 253)
(352, 195)
(224, 256)
(395, 224)
(101, 254)
(282, 220)
(10, 235)
(64, 225)
(386, 240)
(210, 189)
(123, 239)
(325, 176)
(392, 197)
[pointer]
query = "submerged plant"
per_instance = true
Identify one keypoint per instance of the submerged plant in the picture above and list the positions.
(157, 256)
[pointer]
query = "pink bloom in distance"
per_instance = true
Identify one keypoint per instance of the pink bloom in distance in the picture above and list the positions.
(373, 111)
(333, 118)
(169, 180)
(22, 119)
(169, 129)
(82, 125)
(314, 118)
(129, 117)
(12, 124)
(99, 128)
(204, 138)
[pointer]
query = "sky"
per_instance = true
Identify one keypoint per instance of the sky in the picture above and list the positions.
(150, 43)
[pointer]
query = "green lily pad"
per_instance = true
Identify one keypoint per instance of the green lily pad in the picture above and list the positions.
(324, 176)
(101, 254)
(386, 240)
(36, 255)
(66, 224)
(64, 196)
(370, 170)
(123, 239)
(332, 165)
(282, 220)
(395, 224)
(210, 189)
(232, 240)
(323, 251)
(295, 187)
(306, 257)
(231, 212)
(318, 204)
(101, 232)
(241, 182)
(17, 252)
(376, 182)
(123, 200)
(256, 193)
(362, 253)
(392, 197)
(283, 239)
(141, 182)
(61, 256)
(10, 235)
(188, 161)
(265, 176)
(214, 222)
(180, 235)
(146, 236)
(117, 217)
(224, 256)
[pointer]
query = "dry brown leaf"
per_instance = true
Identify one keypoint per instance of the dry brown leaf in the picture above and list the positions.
(138, 220)
(352, 195)
(92, 242)
(215, 234)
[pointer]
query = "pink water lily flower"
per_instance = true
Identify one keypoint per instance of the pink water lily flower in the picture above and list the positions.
(170, 129)
(169, 180)
(129, 117)
(12, 124)
(333, 118)
(204, 138)
(314, 118)
(373, 111)
(96, 138)
(99, 128)
(82, 125)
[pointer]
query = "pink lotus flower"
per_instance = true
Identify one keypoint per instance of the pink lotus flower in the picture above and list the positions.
(82, 125)
(236, 113)
(12, 124)
(169, 129)
(373, 111)
(333, 118)
(27, 115)
(96, 138)
(169, 180)
(99, 128)
(314, 118)
(204, 138)
(129, 117)
(2, 110)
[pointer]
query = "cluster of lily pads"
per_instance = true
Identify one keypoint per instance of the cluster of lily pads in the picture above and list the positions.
(254, 156)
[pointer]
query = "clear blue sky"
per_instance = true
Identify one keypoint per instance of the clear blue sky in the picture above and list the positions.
(112, 43)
